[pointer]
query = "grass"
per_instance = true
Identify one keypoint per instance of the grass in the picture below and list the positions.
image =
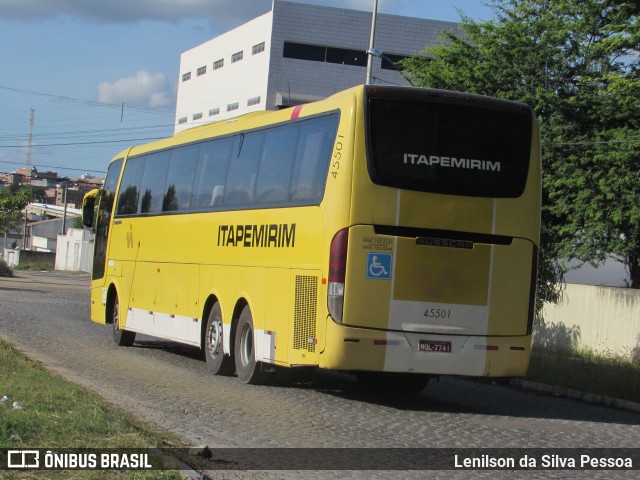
(601, 373)
(40, 266)
(57, 414)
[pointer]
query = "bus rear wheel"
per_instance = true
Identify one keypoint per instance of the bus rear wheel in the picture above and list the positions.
(248, 370)
(122, 338)
(217, 362)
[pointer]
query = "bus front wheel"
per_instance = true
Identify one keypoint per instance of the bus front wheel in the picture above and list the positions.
(122, 338)
(217, 362)
(248, 370)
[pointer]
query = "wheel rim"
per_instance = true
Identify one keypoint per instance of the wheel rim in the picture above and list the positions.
(215, 337)
(246, 344)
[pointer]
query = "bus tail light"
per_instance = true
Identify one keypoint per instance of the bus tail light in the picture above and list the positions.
(337, 272)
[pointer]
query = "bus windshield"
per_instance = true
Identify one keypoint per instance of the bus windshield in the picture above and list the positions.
(455, 144)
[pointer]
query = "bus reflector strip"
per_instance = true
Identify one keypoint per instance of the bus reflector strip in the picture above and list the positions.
(379, 342)
(518, 348)
(486, 347)
(351, 340)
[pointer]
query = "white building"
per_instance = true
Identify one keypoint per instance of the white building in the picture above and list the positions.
(293, 54)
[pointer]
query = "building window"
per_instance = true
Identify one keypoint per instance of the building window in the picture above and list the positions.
(301, 51)
(318, 53)
(186, 76)
(345, 56)
(201, 71)
(233, 106)
(218, 64)
(253, 101)
(182, 120)
(236, 57)
(257, 48)
(197, 116)
(214, 111)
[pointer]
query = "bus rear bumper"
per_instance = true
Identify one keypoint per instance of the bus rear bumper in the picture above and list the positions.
(353, 349)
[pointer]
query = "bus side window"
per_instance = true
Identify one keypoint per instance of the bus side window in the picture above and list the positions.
(130, 186)
(153, 182)
(182, 168)
(312, 160)
(241, 178)
(211, 171)
(274, 170)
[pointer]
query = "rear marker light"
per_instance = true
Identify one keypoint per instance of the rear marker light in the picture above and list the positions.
(379, 342)
(337, 273)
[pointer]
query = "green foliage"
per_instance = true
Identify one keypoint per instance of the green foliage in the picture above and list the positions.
(5, 270)
(11, 203)
(602, 373)
(576, 63)
(57, 414)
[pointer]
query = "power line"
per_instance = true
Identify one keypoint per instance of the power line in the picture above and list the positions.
(85, 102)
(54, 166)
(128, 140)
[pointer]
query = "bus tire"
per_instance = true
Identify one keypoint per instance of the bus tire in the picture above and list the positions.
(217, 362)
(393, 382)
(248, 370)
(122, 338)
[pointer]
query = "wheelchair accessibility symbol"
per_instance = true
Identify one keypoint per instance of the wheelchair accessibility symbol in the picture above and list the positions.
(379, 266)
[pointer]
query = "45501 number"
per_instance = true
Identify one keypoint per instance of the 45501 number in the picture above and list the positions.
(437, 313)
(337, 156)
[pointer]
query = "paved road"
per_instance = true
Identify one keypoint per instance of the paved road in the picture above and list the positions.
(46, 316)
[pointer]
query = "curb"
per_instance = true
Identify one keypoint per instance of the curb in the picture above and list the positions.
(574, 394)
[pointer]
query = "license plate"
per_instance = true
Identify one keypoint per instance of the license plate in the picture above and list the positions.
(432, 346)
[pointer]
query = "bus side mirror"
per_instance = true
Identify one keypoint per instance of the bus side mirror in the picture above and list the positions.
(88, 208)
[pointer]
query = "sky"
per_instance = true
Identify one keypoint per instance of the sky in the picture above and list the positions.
(76, 62)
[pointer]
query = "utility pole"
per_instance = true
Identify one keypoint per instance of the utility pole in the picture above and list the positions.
(64, 201)
(32, 117)
(371, 43)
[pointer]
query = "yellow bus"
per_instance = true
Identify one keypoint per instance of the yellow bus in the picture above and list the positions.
(389, 232)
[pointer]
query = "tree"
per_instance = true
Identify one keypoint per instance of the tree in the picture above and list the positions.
(11, 204)
(576, 63)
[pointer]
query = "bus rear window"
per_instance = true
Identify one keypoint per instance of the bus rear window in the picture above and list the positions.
(449, 144)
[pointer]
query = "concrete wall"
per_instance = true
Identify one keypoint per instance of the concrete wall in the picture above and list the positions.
(74, 251)
(27, 257)
(233, 83)
(605, 319)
